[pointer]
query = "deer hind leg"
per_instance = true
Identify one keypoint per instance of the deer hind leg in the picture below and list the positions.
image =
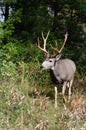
(69, 84)
(63, 90)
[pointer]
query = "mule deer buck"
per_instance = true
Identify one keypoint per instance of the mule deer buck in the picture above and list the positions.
(62, 69)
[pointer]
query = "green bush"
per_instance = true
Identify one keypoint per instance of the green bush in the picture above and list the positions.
(8, 70)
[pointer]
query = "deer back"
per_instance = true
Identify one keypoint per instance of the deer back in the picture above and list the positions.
(64, 69)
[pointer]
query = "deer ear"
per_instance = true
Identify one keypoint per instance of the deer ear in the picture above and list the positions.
(58, 57)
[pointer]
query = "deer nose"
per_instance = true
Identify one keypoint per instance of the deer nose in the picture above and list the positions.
(41, 67)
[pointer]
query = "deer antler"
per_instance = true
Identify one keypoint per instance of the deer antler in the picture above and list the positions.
(44, 47)
(45, 39)
(56, 49)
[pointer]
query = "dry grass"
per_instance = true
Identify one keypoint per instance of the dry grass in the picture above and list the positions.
(25, 107)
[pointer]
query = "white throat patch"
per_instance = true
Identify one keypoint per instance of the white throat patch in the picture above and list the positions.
(52, 68)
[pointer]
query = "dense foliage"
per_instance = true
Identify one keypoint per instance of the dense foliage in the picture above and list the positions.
(24, 23)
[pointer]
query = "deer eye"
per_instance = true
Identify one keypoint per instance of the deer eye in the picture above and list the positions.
(50, 60)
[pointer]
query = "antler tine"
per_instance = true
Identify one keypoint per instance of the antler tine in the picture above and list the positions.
(47, 34)
(45, 39)
(65, 39)
(56, 43)
(54, 48)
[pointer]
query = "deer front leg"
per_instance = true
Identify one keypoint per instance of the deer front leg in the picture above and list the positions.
(55, 97)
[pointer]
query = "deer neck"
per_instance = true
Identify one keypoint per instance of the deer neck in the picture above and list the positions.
(53, 66)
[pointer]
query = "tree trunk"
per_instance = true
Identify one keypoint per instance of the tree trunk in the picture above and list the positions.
(55, 16)
(6, 11)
